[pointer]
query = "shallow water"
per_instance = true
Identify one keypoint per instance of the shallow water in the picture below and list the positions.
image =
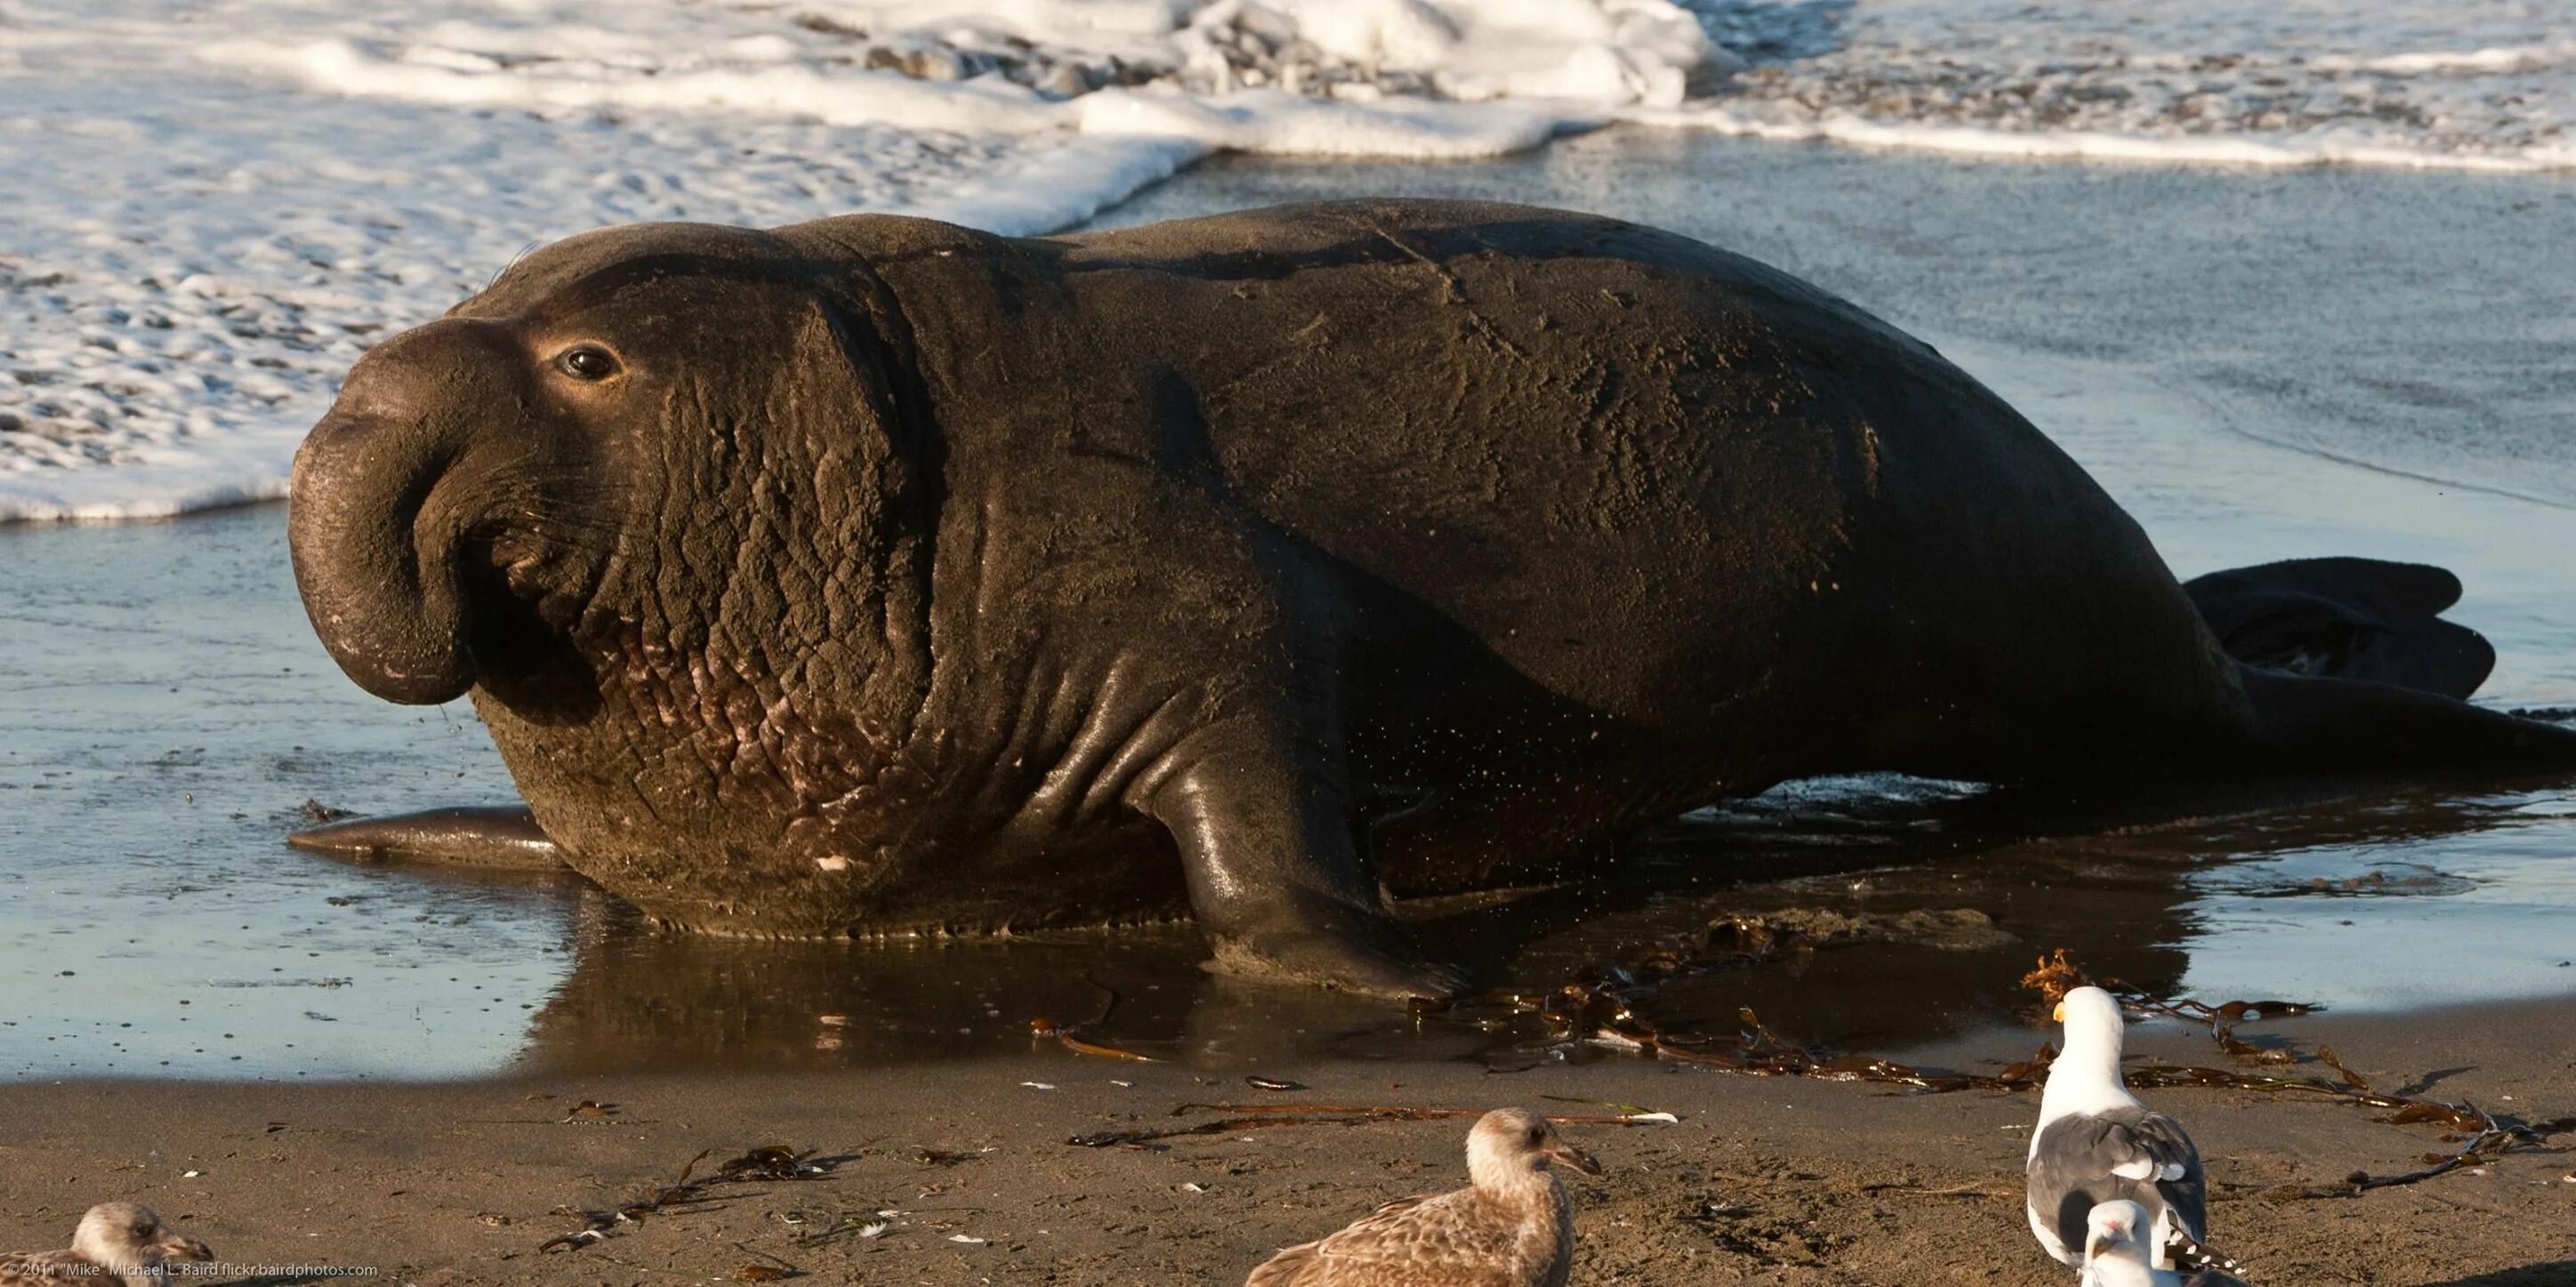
(2259, 365)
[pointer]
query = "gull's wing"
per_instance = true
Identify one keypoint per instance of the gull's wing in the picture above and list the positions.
(1428, 1241)
(2201, 1265)
(2087, 1158)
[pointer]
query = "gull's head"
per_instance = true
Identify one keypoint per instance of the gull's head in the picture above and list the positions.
(1510, 1145)
(2117, 1231)
(129, 1240)
(2085, 1078)
(2093, 1024)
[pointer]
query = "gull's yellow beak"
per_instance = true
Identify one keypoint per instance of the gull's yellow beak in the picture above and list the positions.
(2058, 1015)
(2096, 1247)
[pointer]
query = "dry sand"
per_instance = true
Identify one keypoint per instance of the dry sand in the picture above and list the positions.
(1763, 1181)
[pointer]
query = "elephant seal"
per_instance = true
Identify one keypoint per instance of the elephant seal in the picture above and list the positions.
(875, 574)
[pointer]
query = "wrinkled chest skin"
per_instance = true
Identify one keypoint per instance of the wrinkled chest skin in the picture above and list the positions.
(876, 575)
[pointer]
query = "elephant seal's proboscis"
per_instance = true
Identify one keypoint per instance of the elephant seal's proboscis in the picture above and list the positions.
(878, 575)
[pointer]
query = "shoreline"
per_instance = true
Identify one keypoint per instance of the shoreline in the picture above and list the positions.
(1771, 1180)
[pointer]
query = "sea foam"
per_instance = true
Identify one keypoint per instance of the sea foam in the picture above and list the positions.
(266, 187)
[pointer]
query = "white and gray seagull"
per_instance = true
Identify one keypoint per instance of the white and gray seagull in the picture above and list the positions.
(2095, 1143)
(2115, 1253)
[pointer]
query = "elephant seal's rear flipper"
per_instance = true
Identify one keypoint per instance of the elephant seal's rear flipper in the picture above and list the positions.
(2347, 726)
(2348, 619)
(499, 838)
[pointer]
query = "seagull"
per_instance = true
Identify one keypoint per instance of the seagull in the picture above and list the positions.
(2114, 1256)
(2096, 1143)
(1512, 1227)
(120, 1240)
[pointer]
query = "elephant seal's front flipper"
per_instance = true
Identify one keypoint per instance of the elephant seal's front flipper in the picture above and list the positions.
(507, 839)
(2346, 618)
(1276, 876)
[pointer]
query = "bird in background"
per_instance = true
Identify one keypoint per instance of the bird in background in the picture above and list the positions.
(1512, 1226)
(120, 1241)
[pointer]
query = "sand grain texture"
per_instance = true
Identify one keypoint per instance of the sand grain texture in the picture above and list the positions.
(1764, 1181)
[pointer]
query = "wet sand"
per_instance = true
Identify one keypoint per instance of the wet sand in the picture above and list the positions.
(1785, 1181)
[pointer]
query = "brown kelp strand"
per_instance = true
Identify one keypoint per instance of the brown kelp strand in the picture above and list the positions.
(1600, 1010)
(2056, 974)
(1223, 1126)
(1044, 1028)
(1758, 1051)
(1595, 1005)
(691, 1192)
(1409, 1113)
(1261, 1116)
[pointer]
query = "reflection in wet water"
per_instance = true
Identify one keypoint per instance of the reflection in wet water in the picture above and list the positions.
(2481, 907)
(164, 714)
(638, 997)
(2042, 872)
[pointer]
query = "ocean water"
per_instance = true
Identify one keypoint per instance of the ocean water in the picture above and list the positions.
(215, 206)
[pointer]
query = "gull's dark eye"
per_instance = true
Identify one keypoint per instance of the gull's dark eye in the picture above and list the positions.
(1537, 1133)
(587, 362)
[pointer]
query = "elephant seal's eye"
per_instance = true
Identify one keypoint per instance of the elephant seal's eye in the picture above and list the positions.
(587, 362)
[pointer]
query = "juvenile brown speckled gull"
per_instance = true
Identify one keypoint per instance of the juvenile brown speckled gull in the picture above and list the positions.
(1511, 1227)
(117, 1241)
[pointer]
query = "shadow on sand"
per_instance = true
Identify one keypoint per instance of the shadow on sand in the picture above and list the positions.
(2557, 1273)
